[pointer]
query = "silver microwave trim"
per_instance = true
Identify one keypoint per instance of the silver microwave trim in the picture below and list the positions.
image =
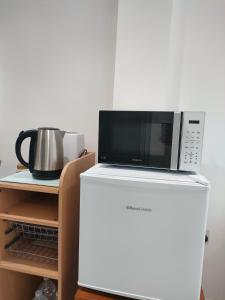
(175, 141)
(187, 116)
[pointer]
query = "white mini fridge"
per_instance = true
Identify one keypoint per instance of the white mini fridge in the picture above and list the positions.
(142, 232)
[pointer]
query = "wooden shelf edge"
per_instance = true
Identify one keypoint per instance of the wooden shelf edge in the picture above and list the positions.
(28, 269)
(32, 220)
(29, 187)
(87, 158)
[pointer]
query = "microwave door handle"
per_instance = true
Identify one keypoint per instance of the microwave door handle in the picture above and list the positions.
(175, 141)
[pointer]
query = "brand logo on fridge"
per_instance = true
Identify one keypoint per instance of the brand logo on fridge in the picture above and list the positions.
(138, 208)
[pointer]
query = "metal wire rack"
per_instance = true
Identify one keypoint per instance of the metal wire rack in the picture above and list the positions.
(34, 232)
(33, 242)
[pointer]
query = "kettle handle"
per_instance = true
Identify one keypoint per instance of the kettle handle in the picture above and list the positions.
(22, 136)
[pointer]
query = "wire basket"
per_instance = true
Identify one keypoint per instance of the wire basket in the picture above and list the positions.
(33, 242)
(34, 232)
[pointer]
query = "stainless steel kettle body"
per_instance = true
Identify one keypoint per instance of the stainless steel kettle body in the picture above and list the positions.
(45, 153)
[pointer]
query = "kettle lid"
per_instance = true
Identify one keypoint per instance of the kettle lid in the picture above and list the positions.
(48, 128)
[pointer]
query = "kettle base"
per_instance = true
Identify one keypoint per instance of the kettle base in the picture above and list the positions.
(46, 174)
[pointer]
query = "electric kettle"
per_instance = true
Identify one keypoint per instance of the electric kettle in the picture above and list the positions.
(45, 153)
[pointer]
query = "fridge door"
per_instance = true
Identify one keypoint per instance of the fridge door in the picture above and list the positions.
(141, 239)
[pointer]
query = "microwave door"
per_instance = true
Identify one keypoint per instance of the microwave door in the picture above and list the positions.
(122, 137)
(159, 133)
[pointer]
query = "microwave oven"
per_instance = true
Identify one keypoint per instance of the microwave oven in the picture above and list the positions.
(154, 139)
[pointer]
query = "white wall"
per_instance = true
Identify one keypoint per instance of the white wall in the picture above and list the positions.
(183, 44)
(202, 87)
(56, 67)
(143, 43)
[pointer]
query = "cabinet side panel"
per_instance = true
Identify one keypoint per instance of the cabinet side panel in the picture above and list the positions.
(69, 206)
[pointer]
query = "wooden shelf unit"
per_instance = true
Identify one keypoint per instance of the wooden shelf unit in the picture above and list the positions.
(30, 187)
(56, 207)
(39, 209)
(29, 267)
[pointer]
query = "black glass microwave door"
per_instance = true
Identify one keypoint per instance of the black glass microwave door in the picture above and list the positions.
(137, 138)
(159, 139)
(122, 137)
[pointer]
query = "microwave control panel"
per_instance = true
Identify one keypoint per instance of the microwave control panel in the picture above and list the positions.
(191, 141)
